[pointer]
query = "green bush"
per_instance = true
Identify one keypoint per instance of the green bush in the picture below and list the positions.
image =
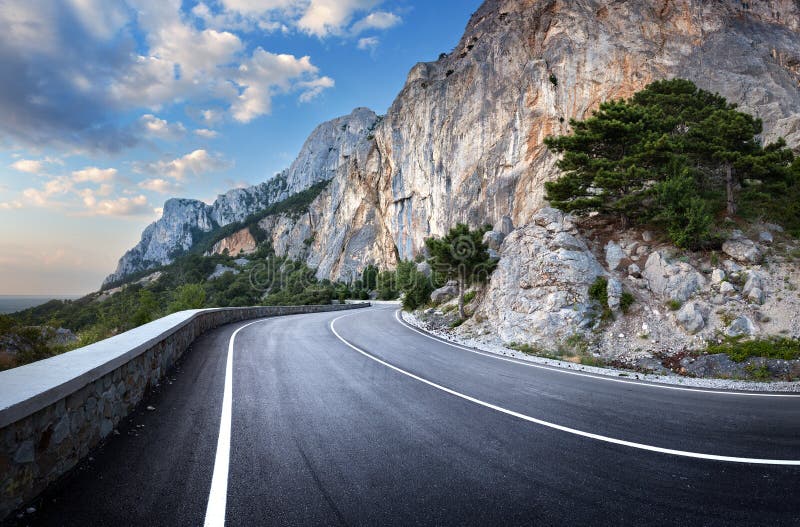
(772, 348)
(626, 301)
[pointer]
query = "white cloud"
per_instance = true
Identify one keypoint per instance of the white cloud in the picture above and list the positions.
(194, 163)
(29, 166)
(267, 74)
(57, 186)
(376, 20)
(94, 175)
(135, 206)
(312, 89)
(161, 128)
(162, 186)
(9, 205)
(368, 43)
(330, 17)
(206, 133)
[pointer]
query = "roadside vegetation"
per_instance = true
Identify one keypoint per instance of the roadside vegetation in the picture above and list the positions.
(740, 350)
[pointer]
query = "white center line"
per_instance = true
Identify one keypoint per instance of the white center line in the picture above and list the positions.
(218, 496)
(598, 437)
(598, 377)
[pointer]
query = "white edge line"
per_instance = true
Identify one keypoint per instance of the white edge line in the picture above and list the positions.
(598, 377)
(218, 495)
(640, 446)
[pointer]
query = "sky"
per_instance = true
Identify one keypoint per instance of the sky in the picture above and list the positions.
(110, 107)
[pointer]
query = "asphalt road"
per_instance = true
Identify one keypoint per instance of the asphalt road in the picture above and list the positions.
(357, 419)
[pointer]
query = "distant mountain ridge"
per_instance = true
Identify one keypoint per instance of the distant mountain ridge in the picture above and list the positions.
(328, 146)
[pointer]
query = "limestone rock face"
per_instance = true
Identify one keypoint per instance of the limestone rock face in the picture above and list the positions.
(240, 242)
(540, 290)
(175, 231)
(329, 149)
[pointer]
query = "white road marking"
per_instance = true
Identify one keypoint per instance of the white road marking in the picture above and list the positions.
(586, 374)
(218, 496)
(640, 446)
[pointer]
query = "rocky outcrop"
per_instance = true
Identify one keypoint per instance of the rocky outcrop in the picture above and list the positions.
(328, 150)
(240, 242)
(539, 292)
(671, 280)
(742, 249)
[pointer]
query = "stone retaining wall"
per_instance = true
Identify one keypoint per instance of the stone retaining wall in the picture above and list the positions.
(46, 432)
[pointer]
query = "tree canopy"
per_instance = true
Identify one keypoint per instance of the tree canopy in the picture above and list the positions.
(672, 154)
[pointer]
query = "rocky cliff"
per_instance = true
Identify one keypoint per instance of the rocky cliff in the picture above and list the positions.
(326, 151)
(463, 139)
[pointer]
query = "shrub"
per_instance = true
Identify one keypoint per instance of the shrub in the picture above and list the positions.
(772, 348)
(674, 304)
(626, 301)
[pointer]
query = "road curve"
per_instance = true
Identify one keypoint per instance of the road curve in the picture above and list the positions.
(357, 419)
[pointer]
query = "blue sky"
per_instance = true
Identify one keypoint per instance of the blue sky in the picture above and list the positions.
(109, 107)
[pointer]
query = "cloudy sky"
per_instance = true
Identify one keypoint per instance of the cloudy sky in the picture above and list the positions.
(109, 107)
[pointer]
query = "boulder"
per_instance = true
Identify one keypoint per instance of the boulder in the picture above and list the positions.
(742, 326)
(741, 248)
(690, 317)
(648, 236)
(732, 267)
(754, 288)
(539, 292)
(717, 276)
(493, 239)
(614, 255)
(614, 290)
(765, 237)
(671, 281)
(443, 294)
(727, 289)
(634, 271)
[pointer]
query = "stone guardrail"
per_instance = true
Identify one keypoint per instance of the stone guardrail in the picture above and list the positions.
(55, 411)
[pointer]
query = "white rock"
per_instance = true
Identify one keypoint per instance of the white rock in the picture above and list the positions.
(727, 289)
(690, 317)
(675, 281)
(742, 326)
(539, 292)
(614, 255)
(635, 271)
(614, 290)
(742, 249)
(717, 276)
(765, 237)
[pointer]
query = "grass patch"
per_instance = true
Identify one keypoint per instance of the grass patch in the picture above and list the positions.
(469, 296)
(758, 373)
(674, 305)
(626, 301)
(456, 323)
(770, 348)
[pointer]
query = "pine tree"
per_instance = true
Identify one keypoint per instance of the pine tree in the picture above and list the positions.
(461, 255)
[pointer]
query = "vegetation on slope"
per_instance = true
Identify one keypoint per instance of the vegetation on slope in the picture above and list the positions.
(676, 157)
